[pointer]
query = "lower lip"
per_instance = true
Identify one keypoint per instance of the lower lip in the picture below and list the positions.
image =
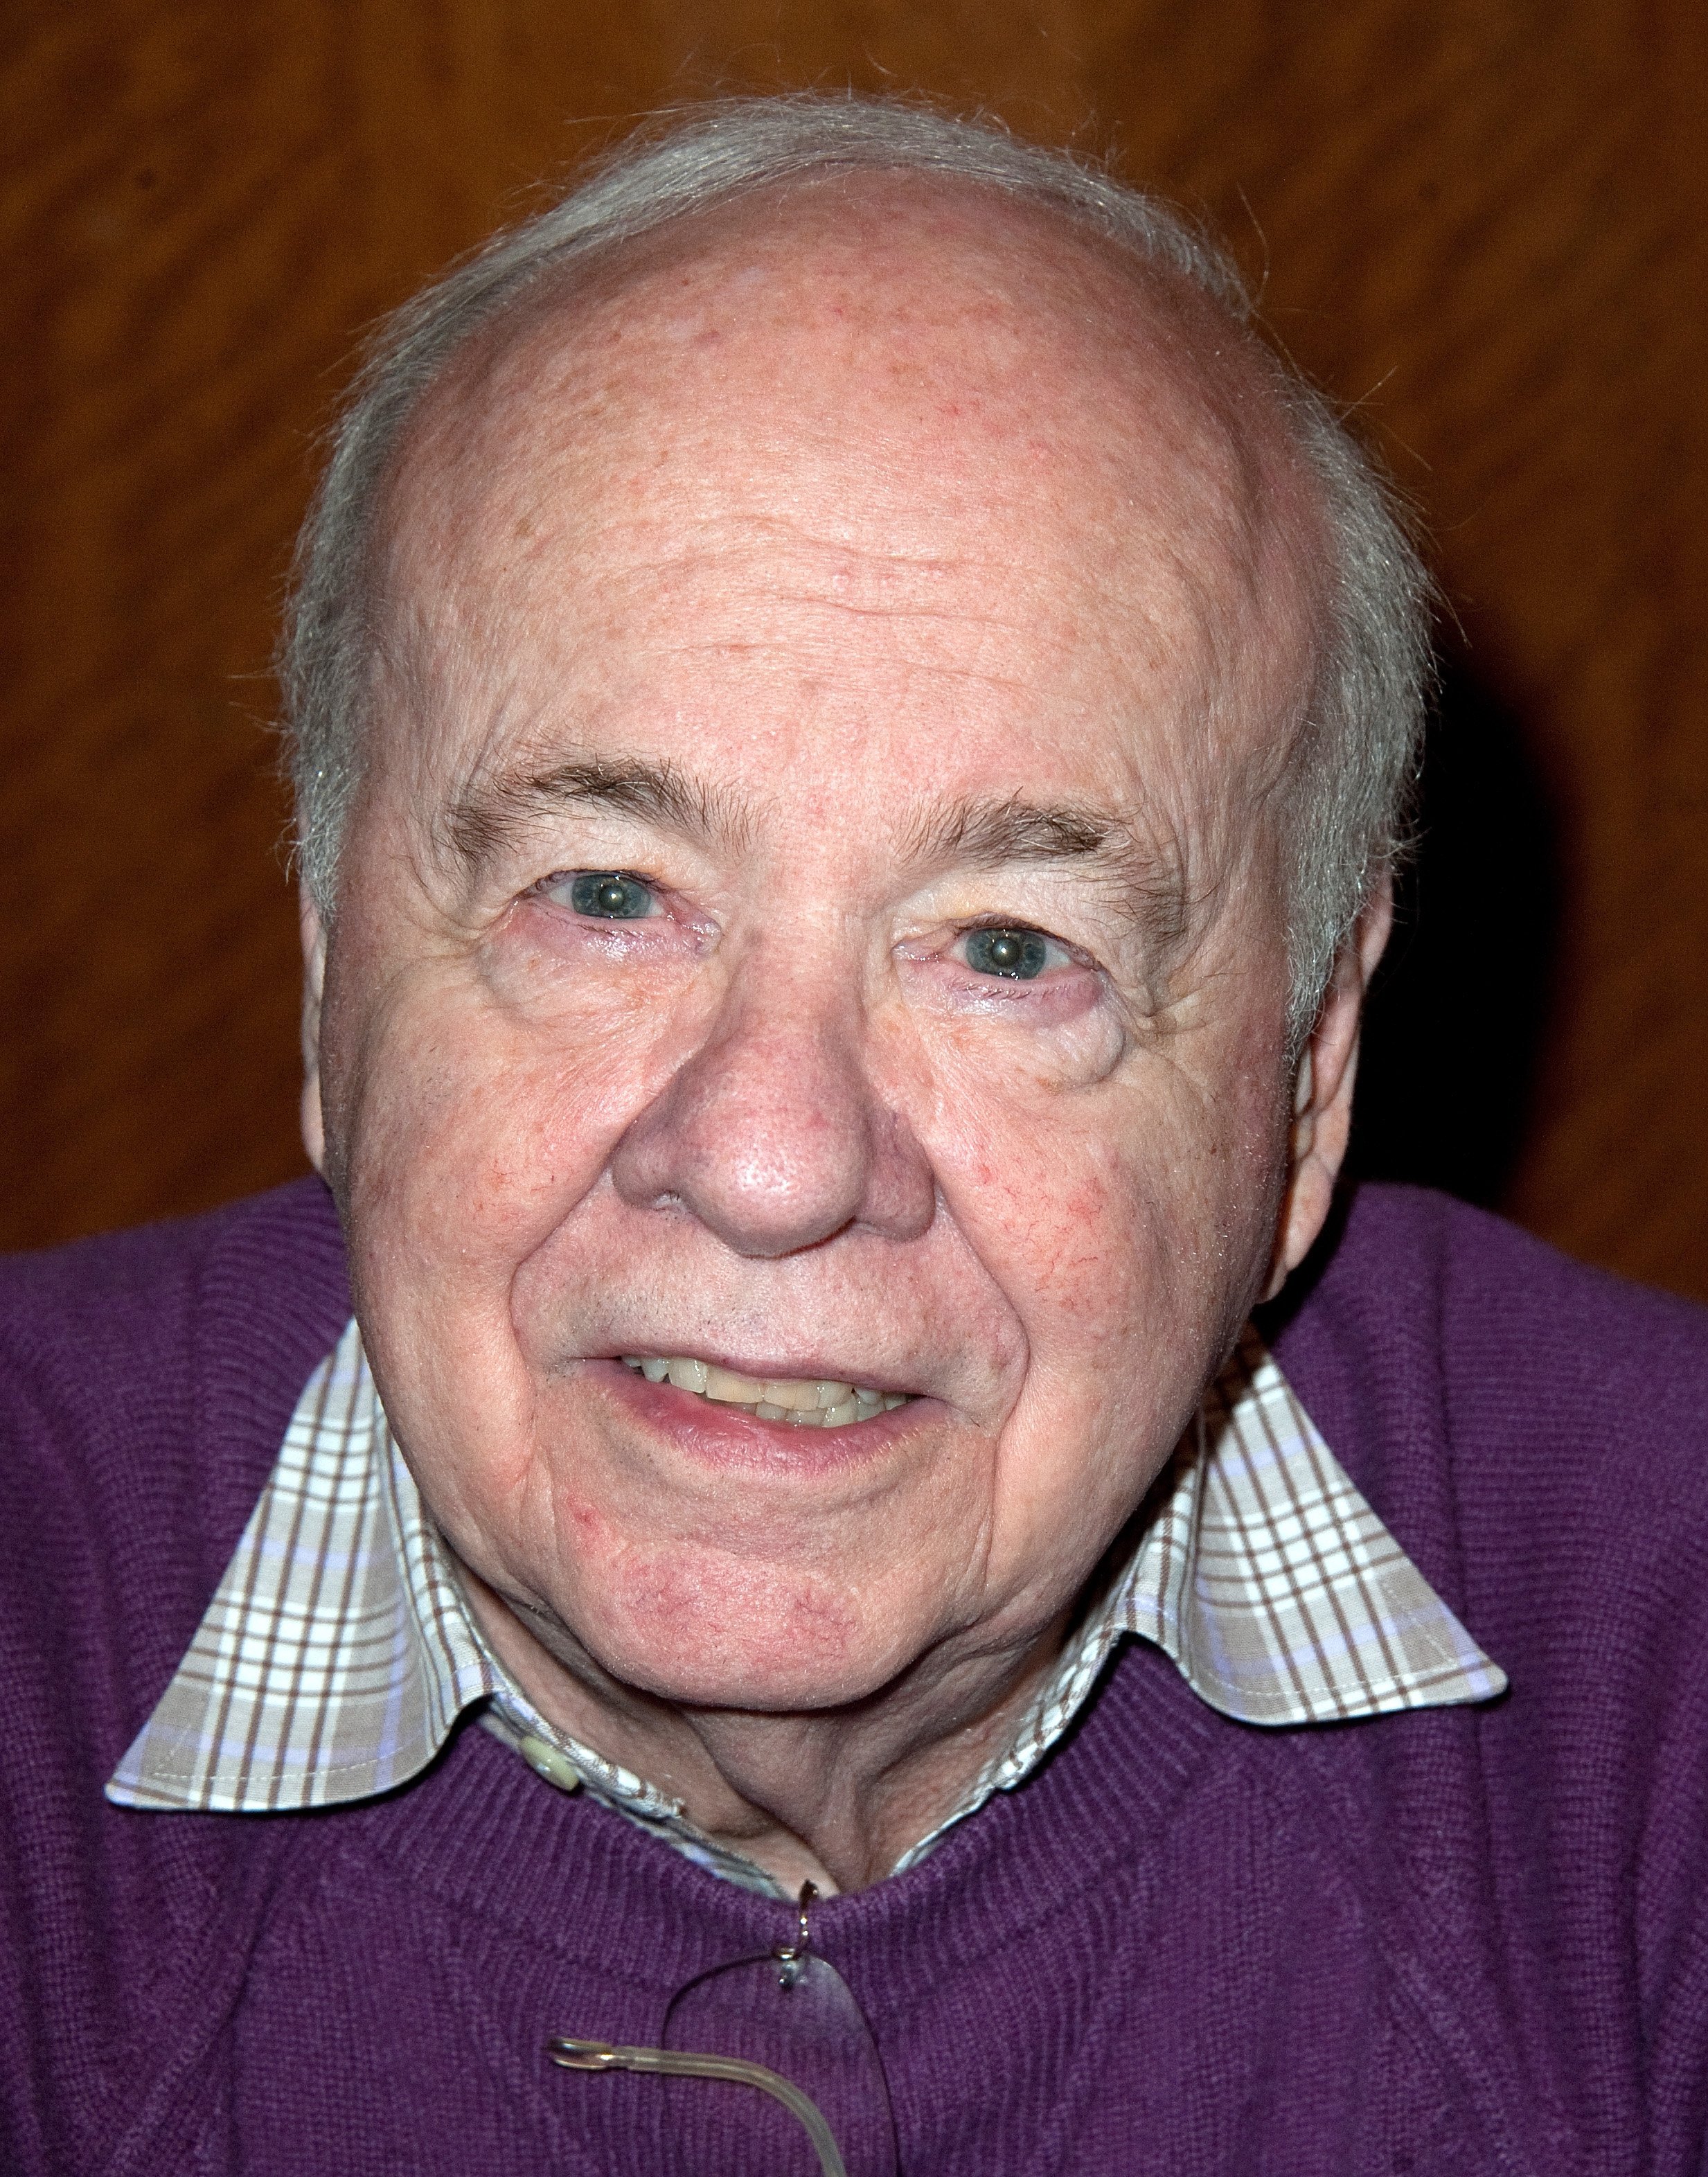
(718, 1435)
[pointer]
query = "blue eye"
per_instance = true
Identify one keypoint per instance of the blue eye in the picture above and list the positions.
(1018, 954)
(609, 896)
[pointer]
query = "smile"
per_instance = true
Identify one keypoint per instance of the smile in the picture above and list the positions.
(801, 1401)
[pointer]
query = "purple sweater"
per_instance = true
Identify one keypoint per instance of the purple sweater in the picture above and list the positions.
(1450, 1940)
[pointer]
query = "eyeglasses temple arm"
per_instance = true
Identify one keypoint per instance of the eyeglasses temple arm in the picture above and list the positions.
(601, 2056)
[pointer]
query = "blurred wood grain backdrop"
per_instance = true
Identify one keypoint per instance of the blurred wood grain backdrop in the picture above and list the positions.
(1481, 220)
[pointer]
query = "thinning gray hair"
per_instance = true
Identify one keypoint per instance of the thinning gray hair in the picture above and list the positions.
(1352, 768)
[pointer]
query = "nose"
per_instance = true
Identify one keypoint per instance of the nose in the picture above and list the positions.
(771, 1134)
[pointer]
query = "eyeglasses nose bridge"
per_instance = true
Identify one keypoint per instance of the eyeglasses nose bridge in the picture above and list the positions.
(792, 1956)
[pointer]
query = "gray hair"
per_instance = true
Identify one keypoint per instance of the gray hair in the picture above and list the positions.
(1353, 766)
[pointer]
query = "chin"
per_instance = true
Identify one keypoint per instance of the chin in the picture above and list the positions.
(771, 1642)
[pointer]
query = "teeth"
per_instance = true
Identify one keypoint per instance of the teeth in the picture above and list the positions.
(782, 1398)
(797, 1398)
(729, 1389)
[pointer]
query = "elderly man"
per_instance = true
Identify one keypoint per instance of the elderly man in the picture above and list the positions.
(851, 721)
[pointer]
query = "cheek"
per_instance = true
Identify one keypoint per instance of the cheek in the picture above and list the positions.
(466, 1135)
(1078, 1249)
(1121, 1219)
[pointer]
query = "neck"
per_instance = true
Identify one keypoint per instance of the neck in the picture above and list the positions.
(834, 1798)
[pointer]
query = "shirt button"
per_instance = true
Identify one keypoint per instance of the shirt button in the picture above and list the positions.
(545, 1760)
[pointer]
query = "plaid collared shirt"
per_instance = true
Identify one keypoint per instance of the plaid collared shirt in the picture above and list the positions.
(339, 1651)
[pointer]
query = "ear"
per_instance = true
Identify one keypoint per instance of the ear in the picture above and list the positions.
(1323, 1088)
(314, 983)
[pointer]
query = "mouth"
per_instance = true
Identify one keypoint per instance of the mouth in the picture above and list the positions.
(802, 1402)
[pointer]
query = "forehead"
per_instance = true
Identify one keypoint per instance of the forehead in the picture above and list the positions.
(875, 422)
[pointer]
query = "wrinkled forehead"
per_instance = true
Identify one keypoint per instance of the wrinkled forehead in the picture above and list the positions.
(894, 385)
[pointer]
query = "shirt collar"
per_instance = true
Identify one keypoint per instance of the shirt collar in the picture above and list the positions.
(338, 1652)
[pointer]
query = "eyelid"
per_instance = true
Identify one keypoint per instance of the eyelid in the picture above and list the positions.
(1009, 922)
(599, 870)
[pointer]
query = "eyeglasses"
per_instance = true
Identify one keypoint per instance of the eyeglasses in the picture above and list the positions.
(797, 2088)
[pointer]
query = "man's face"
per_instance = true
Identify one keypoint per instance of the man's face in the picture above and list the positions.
(810, 914)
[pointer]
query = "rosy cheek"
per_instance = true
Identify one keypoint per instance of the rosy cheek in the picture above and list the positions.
(473, 1142)
(1092, 1256)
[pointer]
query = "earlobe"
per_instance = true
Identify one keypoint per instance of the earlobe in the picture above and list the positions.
(313, 984)
(1322, 1089)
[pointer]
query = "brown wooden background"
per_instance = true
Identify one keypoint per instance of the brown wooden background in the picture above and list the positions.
(1481, 219)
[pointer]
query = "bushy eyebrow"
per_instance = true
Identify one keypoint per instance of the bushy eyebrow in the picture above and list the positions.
(1011, 829)
(1146, 879)
(493, 813)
